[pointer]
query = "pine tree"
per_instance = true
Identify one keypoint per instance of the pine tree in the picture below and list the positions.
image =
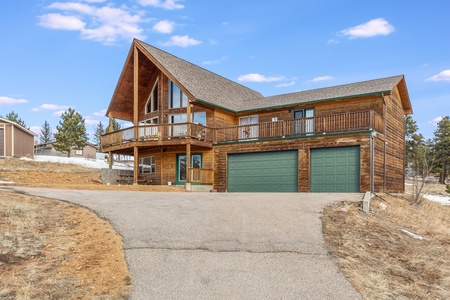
(412, 142)
(46, 134)
(71, 132)
(99, 130)
(442, 148)
(14, 117)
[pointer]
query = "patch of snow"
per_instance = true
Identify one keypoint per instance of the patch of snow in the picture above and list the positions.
(6, 182)
(444, 200)
(85, 162)
(413, 235)
(408, 184)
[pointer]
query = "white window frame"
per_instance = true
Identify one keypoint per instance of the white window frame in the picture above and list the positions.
(182, 102)
(147, 165)
(251, 131)
(79, 152)
(152, 102)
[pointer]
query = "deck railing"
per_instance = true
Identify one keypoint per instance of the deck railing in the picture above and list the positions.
(162, 132)
(336, 123)
(345, 122)
(202, 176)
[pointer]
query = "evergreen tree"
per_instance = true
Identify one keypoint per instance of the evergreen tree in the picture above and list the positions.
(412, 142)
(442, 148)
(46, 134)
(71, 132)
(99, 130)
(14, 117)
(115, 126)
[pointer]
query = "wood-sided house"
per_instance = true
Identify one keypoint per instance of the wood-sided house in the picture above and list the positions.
(192, 126)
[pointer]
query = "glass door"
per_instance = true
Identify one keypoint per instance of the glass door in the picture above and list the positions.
(196, 162)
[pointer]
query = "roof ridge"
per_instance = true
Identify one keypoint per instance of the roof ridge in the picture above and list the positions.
(197, 66)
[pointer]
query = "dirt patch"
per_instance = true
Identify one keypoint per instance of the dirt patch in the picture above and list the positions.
(64, 176)
(379, 254)
(56, 250)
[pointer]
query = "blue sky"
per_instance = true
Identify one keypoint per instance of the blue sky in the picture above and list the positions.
(60, 54)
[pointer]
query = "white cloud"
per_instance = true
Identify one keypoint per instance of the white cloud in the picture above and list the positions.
(321, 78)
(103, 23)
(89, 121)
(168, 4)
(181, 41)
(58, 21)
(225, 23)
(285, 84)
(259, 78)
(435, 121)
(443, 76)
(215, 62)
(50, 107)
(100, 113)
(164, 26)
(35, 129)
(58, 113)
(372, 28)
(10, 101)
(333, 42)
(94, 1)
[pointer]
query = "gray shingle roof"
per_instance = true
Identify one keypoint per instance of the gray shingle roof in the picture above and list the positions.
(216, 90)
(201, 83)
(334, 92)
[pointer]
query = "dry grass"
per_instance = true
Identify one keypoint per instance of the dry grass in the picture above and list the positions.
(55, 250)
(380, 259)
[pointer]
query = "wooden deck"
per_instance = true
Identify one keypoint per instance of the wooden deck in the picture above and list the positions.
(178, 134)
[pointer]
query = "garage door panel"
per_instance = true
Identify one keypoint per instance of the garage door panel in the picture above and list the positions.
(263, 172)
(335, 169)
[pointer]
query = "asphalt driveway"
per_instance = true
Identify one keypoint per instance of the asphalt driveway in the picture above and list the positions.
(220, 246)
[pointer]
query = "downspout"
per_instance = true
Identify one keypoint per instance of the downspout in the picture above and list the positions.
(385, 141)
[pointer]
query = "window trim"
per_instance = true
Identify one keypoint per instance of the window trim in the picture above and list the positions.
(305, 127)
(152, 164)
(151, 101)
(183, 101)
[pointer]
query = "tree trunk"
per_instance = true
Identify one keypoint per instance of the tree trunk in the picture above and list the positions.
(442, 177)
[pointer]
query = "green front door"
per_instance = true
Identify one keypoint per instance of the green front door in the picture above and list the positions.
(335, 169)
(196, 162)
(263, 172)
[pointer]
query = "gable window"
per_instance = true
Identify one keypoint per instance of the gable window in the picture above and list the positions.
(79, 152)
(177, 99)
(248, 127)
(147, 165)
(152, 102)
(303, 121)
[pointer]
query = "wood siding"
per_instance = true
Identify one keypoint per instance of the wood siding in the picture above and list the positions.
(303, 146)
(395, 143)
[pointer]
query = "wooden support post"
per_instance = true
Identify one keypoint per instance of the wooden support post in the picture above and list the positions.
(110, 126)
(136, 92)
(136, 166)
(110, 159)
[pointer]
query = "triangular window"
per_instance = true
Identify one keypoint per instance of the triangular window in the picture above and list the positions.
(152, 102)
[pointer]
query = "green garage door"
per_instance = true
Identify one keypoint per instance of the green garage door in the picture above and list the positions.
(335, 169)
(263, 172)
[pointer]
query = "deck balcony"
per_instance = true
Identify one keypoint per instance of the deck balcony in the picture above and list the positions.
(176, 134)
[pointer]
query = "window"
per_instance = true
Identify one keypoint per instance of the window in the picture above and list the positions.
(152, 102)
(78, 152)
(251, 128)
(177, 99)
(147, 165)
(303, 122)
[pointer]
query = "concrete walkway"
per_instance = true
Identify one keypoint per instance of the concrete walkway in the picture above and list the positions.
(220, 246)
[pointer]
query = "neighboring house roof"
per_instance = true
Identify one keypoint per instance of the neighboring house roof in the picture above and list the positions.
(210, 88)
(50, 144)
(2, 120)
